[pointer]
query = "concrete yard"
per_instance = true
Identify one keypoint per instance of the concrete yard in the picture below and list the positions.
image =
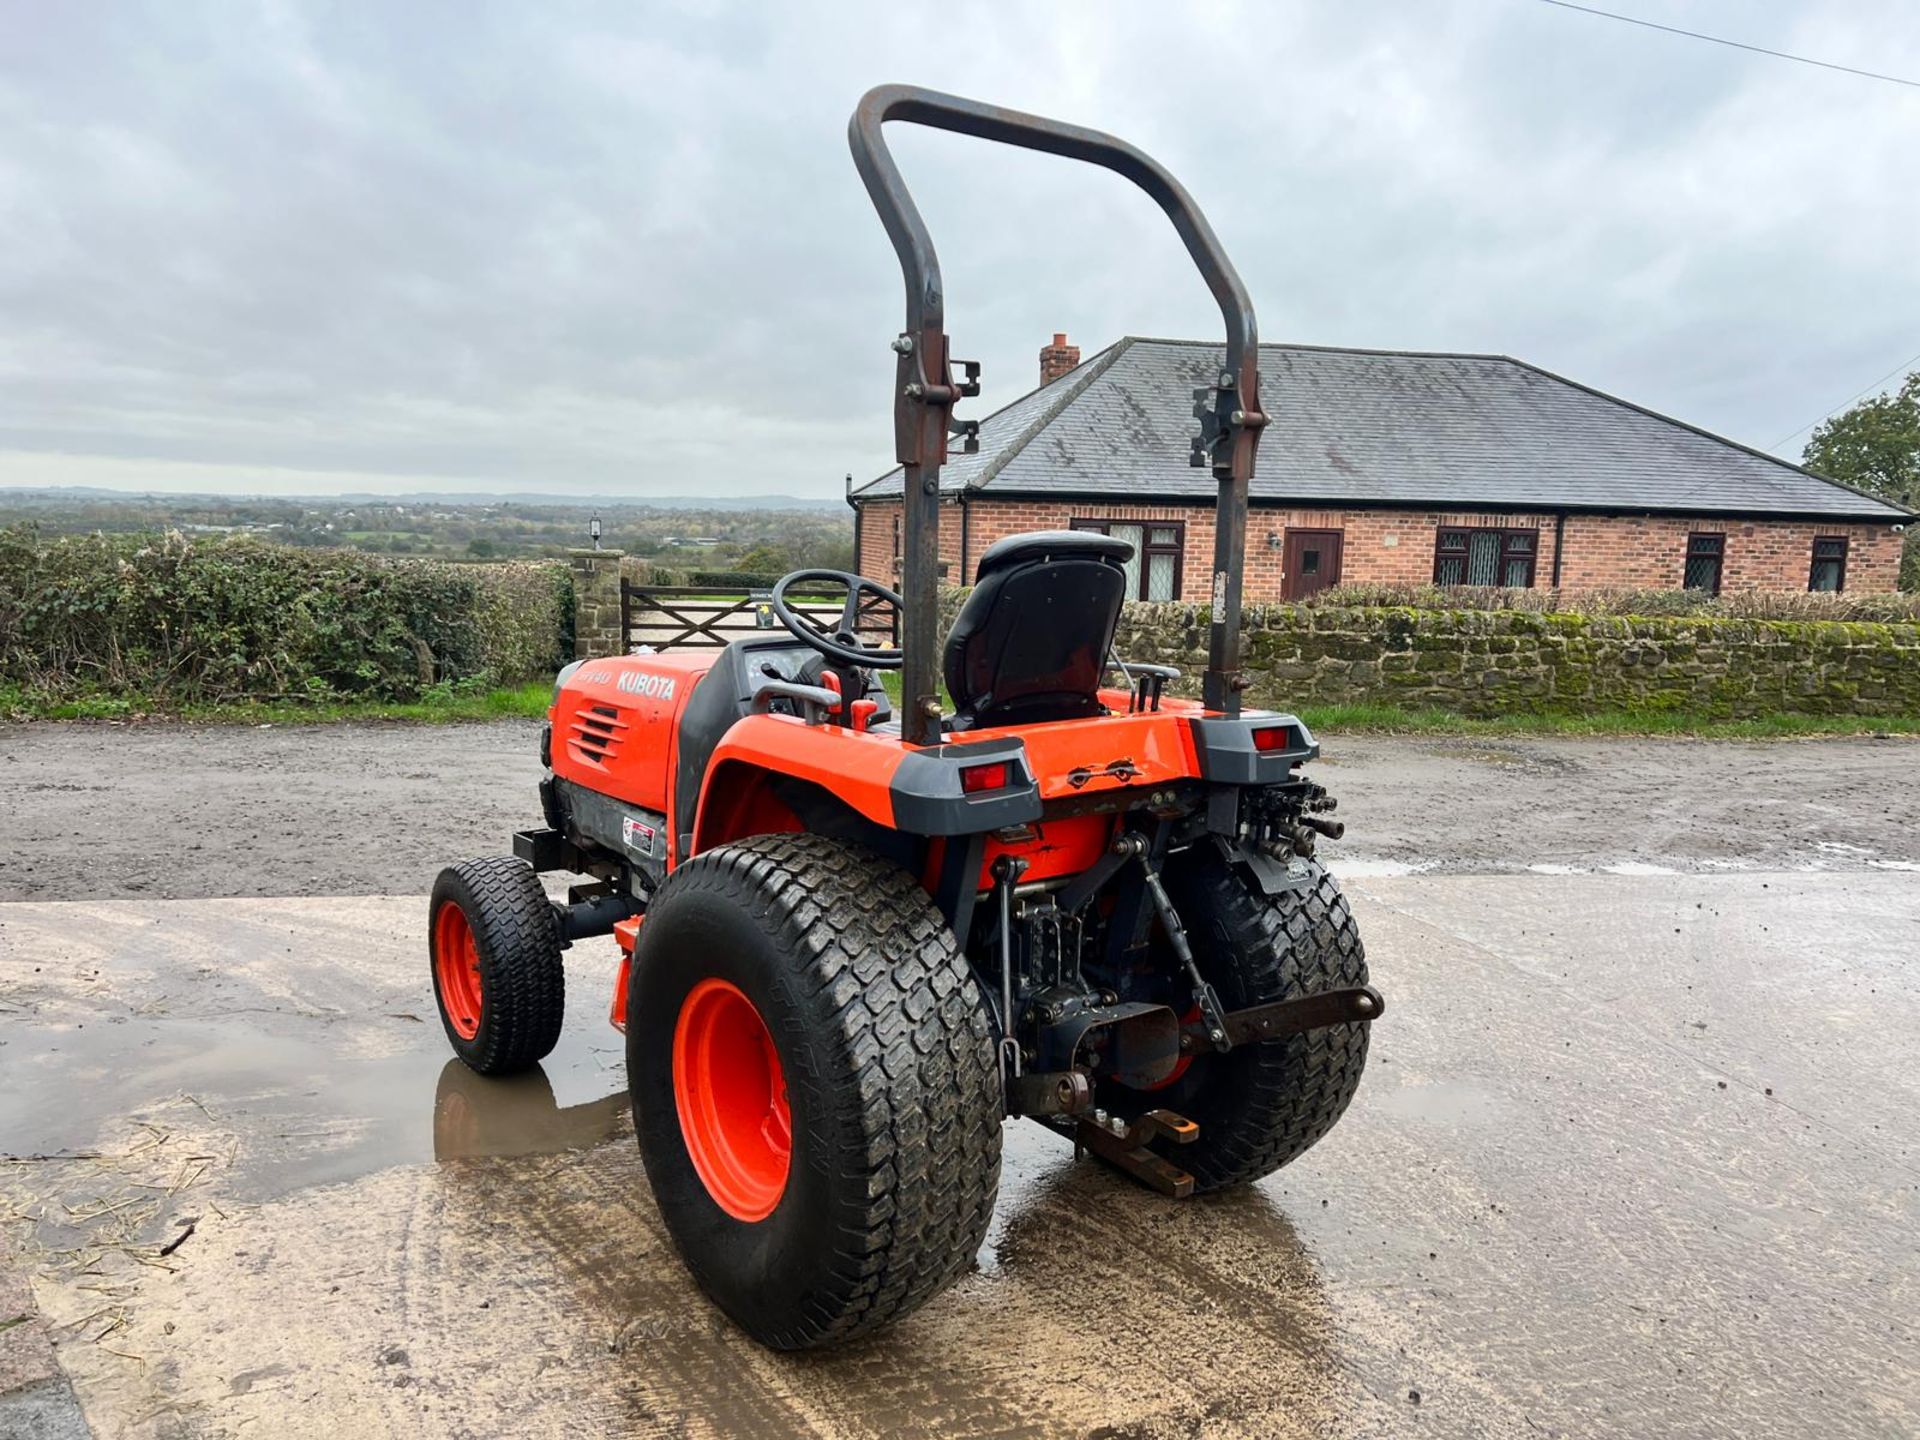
(1634, 1155)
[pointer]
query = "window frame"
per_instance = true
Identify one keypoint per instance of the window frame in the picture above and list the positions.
(1177, 549)
(1816, 560)
(1508, 552)
(1699, 548)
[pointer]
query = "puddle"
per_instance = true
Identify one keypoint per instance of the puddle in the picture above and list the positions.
(307, 1111)
(1534, 758)
(517, 1115)
(1032, 1162)
(1361, 869)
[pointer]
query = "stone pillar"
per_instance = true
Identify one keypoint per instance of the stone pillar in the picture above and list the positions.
(596, 603)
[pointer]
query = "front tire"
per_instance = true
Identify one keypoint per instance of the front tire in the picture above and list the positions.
(814, 1086)
(495, 955)
(1261, 1105)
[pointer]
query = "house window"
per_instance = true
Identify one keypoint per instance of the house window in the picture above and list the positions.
(1829, 563)
(1485, 557)
(1705, 555)
(1154, 571)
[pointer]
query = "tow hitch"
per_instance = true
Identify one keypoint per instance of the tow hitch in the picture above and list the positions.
(1126, 1146)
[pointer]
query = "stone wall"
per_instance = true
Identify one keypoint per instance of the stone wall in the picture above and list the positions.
(596, 603)
(1478, 662)
(1498, 662)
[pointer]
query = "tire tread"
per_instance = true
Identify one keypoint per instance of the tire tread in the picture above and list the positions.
(525, 994)
(909, 1029)
(1299, 943)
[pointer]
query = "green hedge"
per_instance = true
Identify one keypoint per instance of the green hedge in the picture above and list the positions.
(734, 579)
(185, 621)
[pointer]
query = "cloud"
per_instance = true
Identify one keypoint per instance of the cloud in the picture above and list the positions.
(622, 249)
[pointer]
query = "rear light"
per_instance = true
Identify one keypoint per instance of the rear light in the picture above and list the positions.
(974, 779)
(1273, 737)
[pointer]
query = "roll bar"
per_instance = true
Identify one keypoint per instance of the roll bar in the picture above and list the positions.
(926, 391)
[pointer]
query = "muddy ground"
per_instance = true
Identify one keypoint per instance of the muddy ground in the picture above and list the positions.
(1634, 1154)
(179, 812)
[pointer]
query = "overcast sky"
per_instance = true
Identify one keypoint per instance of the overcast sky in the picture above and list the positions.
(621, 249)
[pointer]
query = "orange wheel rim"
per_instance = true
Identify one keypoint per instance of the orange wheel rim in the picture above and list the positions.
(732, 1097)
(456, 970)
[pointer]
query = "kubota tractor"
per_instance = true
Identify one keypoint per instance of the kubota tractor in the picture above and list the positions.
(855, 940)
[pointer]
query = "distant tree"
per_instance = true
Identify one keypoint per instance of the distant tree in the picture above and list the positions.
(766, 558)
(481, 548)
(822, 549)
(1875, 447)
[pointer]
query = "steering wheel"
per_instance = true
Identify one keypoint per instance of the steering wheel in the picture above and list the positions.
(841, 644)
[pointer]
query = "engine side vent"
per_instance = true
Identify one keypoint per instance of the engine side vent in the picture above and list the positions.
(596, 734)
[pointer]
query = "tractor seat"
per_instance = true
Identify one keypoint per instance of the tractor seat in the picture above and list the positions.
(1032, 640)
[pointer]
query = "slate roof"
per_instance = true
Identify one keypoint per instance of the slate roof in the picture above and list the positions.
(1378, 427)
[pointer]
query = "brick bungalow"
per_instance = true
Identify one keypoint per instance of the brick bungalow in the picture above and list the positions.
(1392, 466)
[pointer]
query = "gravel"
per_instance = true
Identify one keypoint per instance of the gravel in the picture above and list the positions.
(193, 811)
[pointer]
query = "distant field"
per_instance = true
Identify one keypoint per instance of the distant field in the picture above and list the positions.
(781, 535)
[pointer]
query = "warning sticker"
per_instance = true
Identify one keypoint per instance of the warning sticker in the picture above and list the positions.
(637, 835)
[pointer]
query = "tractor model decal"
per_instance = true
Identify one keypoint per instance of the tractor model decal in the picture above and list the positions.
(634, 682)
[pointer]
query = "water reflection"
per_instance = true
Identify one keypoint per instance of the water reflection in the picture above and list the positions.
(516, 1115)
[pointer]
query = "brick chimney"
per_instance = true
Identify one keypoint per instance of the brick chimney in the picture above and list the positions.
(1057, 359)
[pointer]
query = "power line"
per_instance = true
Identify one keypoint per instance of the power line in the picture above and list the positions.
(1734, 44)
(1902, 366)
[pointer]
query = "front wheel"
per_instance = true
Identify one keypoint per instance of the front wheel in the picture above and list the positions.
(1263, 1104)
(814, 1086)
(497, 974)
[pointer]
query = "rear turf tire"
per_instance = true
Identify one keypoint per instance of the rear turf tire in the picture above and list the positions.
(492, 919)
(1261, 1106)
(892, 1095)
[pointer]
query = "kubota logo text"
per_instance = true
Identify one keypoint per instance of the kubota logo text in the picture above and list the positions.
(651, 687)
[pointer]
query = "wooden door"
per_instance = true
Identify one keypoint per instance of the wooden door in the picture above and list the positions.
(1312, 561)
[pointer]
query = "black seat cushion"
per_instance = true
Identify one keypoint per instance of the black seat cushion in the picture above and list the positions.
(1032, 639)
(1052, 545)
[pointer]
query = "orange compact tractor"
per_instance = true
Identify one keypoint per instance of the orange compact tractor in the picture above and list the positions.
(855, 939)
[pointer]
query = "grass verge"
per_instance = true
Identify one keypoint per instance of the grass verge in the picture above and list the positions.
(530, 701)
(521, 701)
(1393, 720)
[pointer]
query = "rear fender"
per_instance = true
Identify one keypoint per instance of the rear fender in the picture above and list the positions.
(738, 801)
(736, 790)
(915, 790)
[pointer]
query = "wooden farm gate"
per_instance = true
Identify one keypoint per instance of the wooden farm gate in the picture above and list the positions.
(692, 617)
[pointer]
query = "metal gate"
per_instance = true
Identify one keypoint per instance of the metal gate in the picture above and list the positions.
(694, 617)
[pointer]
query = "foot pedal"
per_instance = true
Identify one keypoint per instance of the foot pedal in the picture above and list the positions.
(1124, 1147)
